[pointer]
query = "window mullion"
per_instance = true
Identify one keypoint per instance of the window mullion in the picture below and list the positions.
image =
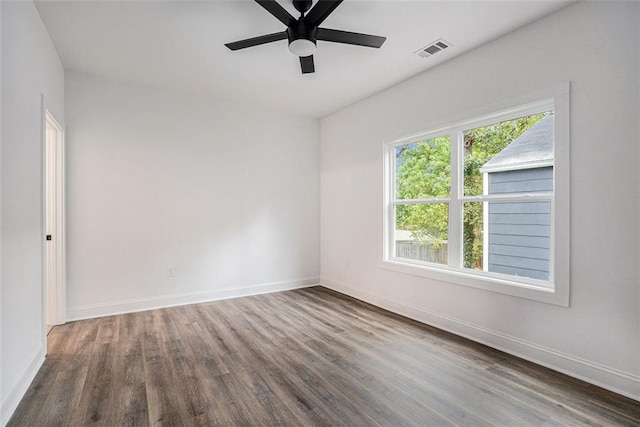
(455, 208)
(507, 197)
(421, 201)
(390, 203)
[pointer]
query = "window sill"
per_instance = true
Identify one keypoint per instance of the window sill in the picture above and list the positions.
(529, 291)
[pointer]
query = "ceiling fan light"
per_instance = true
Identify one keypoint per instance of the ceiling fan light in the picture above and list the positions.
(302, 47)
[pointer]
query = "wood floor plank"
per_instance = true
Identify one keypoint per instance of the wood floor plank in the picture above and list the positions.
(109, 330)
(131, 401)
(296, 358)
(164, 403)
(97, 397)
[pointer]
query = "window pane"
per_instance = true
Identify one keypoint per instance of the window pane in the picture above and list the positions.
(423, 169)
(421, 232)
(509, 155)
(518, 237)
(472, 235)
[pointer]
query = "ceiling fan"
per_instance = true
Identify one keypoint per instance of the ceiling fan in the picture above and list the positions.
(304, 32)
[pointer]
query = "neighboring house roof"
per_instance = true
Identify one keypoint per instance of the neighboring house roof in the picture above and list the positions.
(532, 149)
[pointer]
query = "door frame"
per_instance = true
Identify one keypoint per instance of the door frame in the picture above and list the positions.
(54, 294)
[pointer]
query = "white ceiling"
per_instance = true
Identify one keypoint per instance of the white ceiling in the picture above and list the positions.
(180, 45)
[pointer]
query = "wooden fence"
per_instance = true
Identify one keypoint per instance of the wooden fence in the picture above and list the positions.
(422, 251)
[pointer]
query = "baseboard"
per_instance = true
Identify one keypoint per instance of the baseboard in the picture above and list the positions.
(623, 383)
(164, 301)
(16, 391)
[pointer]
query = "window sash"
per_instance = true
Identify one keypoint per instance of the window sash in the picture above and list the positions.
(457, 198)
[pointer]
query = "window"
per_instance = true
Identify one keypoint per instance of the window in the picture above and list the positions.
(484, 202)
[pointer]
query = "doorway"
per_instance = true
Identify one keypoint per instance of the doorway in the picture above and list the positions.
(54, 223)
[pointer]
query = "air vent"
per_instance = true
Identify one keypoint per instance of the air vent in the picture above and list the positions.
(433, 48)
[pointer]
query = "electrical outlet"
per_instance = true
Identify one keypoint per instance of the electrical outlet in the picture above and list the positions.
(171, 271)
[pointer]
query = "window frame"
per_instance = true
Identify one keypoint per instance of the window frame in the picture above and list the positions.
(556, 289)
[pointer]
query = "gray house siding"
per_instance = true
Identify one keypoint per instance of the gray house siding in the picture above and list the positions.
(521, 181)
(519, 232)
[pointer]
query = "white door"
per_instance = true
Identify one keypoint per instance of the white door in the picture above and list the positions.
(54, 274)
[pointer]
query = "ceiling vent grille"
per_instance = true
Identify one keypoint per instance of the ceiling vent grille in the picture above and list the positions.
(433, 48)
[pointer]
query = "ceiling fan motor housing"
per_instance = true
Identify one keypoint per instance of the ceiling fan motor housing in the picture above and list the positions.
(302, 38)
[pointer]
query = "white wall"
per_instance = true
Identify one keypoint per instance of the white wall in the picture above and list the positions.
(30, 67)
(593, 45)
(227, 194)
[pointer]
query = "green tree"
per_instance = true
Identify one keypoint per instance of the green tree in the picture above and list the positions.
(423, 172)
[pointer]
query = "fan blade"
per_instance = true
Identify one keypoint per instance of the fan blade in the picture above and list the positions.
(255, 41)
(347, 37)
(321, 11)
(274, 8)
(306, 63)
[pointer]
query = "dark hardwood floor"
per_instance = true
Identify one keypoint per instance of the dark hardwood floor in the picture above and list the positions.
(304, 357)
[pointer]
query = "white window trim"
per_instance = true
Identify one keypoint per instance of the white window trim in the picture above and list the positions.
(556, 290)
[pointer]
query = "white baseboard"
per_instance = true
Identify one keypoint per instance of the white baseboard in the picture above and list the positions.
(164, 301)
(623, 383)
(16, 391)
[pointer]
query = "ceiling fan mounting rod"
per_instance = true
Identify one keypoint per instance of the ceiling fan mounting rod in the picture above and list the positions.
(302, 6)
